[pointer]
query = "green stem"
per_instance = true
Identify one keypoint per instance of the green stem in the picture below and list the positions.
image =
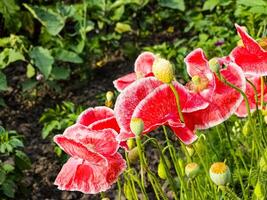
(177, 101)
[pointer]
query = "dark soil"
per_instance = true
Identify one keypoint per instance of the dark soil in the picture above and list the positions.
(22, 115)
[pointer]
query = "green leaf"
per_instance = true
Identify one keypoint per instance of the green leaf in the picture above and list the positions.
(22, 160)
(30, 71)
(210, 4)
(2, 176)
(252, 3)
(60, 73)
(15, 142)
(28, 85)
(122, 27)
(8, 167)
(67, 56)
(8, 56)
(174, 4)
(42, 59)
(2, 102)
(49, 127)
(9, 188)
(3, 82)
(53, 21)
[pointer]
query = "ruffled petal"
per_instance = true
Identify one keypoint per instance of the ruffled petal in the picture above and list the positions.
(251, 58)
(224, 102)
(197, 63)
(110, 122)
(242, 110)
(130, 98)
(124, 81)
(81, 175)
(143, 63)
(159, 107)
(96, 114)
(78, 150)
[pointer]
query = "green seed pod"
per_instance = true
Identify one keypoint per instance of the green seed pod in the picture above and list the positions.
(131, 143)
(133, 155)
(137, 126)
(190, 150)
(127, 191)
(192, 170)
(163, 70)
(161, 169)
(220, 173)
(263, 162)
(246, 130)
(214, 65)
(258, 191)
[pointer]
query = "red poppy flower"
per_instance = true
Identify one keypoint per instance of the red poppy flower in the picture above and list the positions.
(256, 80)
(251, 57)
(205, 101)
(94, 164)
(142, 68)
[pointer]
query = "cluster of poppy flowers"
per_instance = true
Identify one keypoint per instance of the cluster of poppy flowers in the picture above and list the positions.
(93, 142)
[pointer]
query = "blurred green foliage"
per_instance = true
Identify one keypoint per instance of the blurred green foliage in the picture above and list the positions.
(13, 161)
(60, 39)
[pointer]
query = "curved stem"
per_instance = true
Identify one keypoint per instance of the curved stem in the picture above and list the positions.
(177, 101)
(262, 91)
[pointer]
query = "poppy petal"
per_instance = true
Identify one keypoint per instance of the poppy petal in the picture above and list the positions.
(124, 81)
(159, 107)
(130, 97)
(251, 58)
(224, 101)
(197, 63)
(110, 122)
(143, 63)
(96, 114)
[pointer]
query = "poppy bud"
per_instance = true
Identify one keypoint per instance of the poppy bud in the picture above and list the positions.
(133, 155)
(190, 150)
(163, 70)
(258, 191)
(220, 173)
(246, 128)
(263, 162)
(109, 96)
(137, 126)
(161, 169)
(192, 170)
(214, 65)
(131, 143)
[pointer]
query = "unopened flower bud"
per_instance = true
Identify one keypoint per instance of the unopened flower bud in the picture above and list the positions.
(133, 155)
(246, 130)
(162, 170)
(192, 170)
(109, 96)
(190, 150)
(214, 65)
(263, 162)
(131, 143)
(163, 70)
(220, 173)
(137, 126)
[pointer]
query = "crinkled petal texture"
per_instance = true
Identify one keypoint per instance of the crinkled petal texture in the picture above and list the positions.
(124, 81)
(129, 99)
(98, 118)
(142, 68)
(159, 108)
(197, 65)
(90, 145)
(251, 57)
(250, 93)
(80, 175)
(223, 103)
(144, 63)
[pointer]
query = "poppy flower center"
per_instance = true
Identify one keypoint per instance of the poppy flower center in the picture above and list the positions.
(219, 168)
(198, 83)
